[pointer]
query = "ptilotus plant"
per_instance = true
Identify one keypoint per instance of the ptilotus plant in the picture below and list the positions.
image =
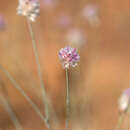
(31, 9)
(124, 107)
(69, 58)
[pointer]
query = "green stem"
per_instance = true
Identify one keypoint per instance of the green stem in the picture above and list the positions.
(11, 113)
(67, 101)
(45, 99)
(120, 121)
(34, 106)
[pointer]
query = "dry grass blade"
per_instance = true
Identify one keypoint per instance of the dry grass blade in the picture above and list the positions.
(34, 106)
(8, 108)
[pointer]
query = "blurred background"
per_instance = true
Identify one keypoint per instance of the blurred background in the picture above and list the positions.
(99, 29)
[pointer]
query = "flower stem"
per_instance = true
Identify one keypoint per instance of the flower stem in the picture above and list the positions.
(67, 101)
(34, 106)
(120, 121)
(10, 111)
(45, 99)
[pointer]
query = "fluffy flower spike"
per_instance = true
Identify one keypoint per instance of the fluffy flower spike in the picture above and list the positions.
(29, 8)
(124, 102)
(69, 57)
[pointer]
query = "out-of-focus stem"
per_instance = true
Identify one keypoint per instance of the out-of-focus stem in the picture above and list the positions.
(120, 121)
(67, 101)
(34, 106)
(10, 111)
(45, 99)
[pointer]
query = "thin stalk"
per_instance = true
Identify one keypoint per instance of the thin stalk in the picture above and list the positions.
(34, 106)
(120, 121)
(8, 107)
(127, 121)
(45, 100)
(11, 113)
(67, 101)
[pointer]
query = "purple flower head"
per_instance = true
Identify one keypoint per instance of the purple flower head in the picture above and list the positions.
(69, 57)
(2, 23)
(124, 102)
(29, 8)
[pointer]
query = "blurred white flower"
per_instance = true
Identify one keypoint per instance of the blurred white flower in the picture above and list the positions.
(29, 8)
(124, 102)
(91, 14)
(76, 38)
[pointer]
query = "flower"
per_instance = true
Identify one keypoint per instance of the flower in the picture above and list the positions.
(90, 10)
(75, 37)
(2, 23)
(64, 21)
(48, 3)
(90, 13)
(124, 102)
(69, 57)
(29, 8)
